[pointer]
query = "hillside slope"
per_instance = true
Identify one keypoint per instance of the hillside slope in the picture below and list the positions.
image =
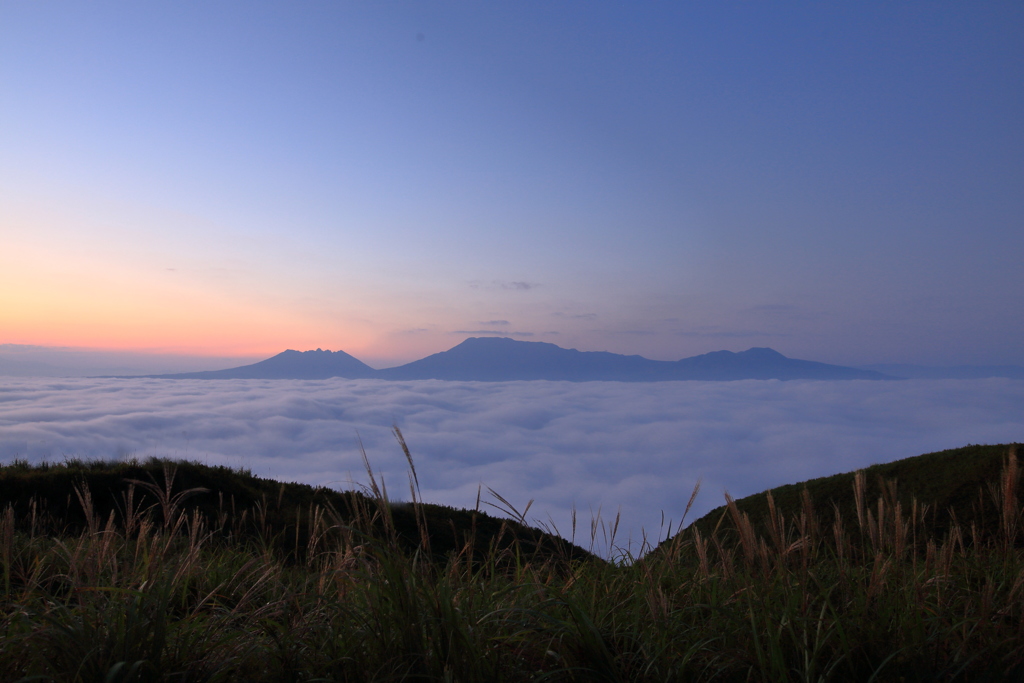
(953, 483)
(240, 504)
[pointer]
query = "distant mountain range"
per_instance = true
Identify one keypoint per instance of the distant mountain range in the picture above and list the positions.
(290, 364)
(499, 359)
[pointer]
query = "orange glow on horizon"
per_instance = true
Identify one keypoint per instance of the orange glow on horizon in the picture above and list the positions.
(47, 300)
(57, 290)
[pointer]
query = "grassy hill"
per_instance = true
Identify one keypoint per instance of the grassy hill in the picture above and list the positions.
(172, 572)
(954, 485)
(66, 498)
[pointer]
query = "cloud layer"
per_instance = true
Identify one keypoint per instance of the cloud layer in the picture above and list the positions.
(607, 446)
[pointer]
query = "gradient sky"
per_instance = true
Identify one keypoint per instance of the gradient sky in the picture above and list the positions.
(841, 182)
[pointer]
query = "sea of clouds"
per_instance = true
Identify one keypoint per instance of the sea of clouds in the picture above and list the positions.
(630, 448)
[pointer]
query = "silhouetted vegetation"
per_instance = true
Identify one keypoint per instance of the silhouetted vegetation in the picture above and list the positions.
(130, 572)
(946, 488)
(235, 506)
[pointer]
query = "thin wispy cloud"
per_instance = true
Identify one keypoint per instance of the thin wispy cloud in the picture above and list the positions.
(575, 316)
(607, 445)
(506, 333)
(784, 311)
(15, 348)
(516, 285)
(730, 334)
(636, 332)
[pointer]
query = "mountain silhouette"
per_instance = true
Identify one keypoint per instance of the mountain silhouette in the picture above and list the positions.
(496, 359)
(763, 363)
(291, 365)
(499, 359)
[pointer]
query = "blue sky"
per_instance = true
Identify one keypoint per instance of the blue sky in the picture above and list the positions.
(841, 183)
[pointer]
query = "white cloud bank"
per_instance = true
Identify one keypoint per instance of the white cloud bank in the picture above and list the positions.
(639, 447)
(24, 360)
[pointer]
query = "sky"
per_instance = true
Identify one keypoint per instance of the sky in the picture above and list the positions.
(839, 181)
(609, 448)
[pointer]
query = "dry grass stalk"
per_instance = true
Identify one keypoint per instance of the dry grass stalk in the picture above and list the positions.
(360, 610)
(859, 494)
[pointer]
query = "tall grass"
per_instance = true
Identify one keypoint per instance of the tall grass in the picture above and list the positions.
(165, 594)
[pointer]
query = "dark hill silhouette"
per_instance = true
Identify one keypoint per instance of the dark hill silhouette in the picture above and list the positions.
(499, 359)
(253, 507)
(947, 481)
(291, 365)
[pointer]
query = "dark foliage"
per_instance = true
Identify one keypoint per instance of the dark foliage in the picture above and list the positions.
(48, 495)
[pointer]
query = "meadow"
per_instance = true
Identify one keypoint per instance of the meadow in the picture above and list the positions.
(142, 571)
